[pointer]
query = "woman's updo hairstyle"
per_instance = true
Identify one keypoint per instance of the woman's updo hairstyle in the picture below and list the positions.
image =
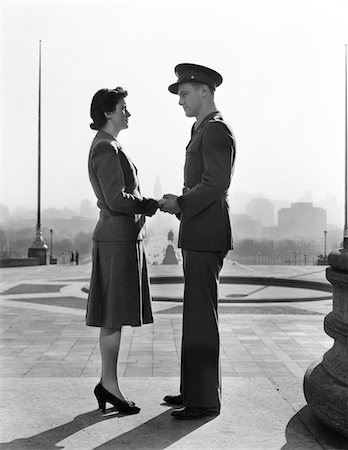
(105, 100)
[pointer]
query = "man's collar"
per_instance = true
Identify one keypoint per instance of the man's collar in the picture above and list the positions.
(206, 119)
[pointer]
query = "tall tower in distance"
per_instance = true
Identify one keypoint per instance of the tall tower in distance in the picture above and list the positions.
(261, 209)
(157, 189)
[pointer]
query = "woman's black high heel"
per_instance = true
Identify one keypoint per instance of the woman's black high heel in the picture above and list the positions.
(104, 396)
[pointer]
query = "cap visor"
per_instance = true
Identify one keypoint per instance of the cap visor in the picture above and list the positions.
(173, 88)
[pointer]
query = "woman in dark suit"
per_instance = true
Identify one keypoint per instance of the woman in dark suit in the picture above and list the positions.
(119, 289)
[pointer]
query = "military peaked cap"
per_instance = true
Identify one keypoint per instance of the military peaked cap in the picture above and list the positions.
(194, 73)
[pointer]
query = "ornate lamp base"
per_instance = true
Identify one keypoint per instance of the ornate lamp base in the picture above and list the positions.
(326, 383)
(327, 397)
(38, 249)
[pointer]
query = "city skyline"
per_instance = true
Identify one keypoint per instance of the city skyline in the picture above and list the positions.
(239, 204)
(300, 228)
(283, 92)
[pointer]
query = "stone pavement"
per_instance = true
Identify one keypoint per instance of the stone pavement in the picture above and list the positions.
(50, 364)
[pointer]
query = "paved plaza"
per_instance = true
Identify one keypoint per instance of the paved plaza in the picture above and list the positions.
(50, 364)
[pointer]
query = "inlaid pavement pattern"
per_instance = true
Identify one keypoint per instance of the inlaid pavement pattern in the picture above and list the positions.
(50, 363)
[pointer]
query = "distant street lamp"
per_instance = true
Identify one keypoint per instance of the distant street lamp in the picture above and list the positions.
(325, 234)
(295, 256)
(51, 246)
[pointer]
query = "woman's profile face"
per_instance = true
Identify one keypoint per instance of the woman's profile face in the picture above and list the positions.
(119, 117)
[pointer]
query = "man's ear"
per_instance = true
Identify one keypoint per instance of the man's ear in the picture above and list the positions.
(204, 90)
(108, 115)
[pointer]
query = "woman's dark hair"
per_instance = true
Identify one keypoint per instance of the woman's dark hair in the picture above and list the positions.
(105, 100)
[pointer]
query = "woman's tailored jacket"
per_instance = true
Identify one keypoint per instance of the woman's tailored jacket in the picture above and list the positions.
(204, 218)
(115, 183)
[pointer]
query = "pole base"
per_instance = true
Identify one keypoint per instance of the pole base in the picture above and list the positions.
(327, 397)
(40, 253)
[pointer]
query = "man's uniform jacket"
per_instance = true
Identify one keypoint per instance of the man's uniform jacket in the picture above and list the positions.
(204, 218)
(115, 182)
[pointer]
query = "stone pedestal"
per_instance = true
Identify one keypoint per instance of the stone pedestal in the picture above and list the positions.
(170, 256)
(39, 248)
(326, 382)
(39, 253)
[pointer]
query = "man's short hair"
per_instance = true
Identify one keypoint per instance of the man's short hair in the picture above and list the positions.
(198, 85)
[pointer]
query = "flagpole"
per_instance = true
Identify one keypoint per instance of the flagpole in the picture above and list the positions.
(38, 226)
(345, 231)
(39, 247)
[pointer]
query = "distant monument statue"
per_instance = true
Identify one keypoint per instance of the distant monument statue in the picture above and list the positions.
(170, 256)
(171, 236)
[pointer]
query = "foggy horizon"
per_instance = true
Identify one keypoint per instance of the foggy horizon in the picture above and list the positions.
(236, 207)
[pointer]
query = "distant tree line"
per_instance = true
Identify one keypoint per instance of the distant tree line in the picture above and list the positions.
(14, 243)
(277, 252)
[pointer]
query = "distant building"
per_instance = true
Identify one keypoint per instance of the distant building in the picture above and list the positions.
(244, 226)
(237, 201)
(261, 209)
(307, 197)
(271, 232)
(301, 220)
(157, 189)
(334, 210)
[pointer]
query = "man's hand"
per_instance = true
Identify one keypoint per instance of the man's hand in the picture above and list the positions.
(169, 204)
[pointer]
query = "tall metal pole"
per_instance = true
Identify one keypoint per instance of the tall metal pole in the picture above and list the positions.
(325, 381)
(38, 226)
(39, 247)
(345, 231)
(39, 241)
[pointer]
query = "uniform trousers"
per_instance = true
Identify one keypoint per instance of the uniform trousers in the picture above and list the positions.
(200, 384)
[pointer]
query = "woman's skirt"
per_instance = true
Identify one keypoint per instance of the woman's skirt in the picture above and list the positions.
(119, 292)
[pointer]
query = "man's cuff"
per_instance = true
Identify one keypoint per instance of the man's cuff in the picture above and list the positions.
(180, 202)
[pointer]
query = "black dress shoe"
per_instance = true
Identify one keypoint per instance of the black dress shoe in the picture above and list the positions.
(174, 400)
(189, 413)
(103, 396)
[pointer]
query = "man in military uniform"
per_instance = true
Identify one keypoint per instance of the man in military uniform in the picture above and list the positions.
(205, 237)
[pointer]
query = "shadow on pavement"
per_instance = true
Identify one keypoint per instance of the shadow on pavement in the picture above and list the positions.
(157, 433)
(305, 428)
(48, 439)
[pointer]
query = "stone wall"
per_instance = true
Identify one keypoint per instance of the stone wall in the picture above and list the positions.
(19, 262)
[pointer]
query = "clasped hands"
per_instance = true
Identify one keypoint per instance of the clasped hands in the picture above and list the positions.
(169, 204)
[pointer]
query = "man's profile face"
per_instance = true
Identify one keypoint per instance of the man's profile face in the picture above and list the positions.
(190, 99)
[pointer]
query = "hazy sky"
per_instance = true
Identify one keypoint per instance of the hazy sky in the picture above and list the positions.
(283, 91)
